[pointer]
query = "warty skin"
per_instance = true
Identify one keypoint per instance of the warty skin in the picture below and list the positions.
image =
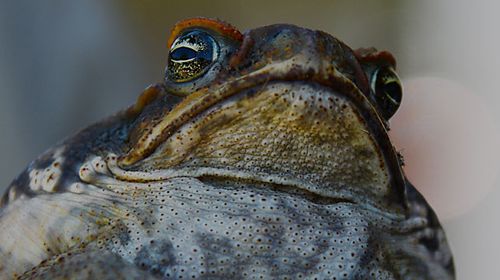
(274, 163)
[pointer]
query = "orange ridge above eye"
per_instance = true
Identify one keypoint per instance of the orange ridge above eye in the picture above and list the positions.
(219, 26)
(372, 55)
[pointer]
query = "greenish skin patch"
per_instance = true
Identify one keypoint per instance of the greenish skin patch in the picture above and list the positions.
(274, 163)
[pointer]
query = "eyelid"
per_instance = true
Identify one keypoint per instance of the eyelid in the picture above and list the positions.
(373, 79)
(176, 45)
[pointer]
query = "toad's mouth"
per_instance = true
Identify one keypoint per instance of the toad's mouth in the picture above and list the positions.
(294, 129)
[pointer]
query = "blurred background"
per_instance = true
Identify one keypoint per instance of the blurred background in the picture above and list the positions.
(66, 64)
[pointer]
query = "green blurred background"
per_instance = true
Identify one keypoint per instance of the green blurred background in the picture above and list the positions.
(66, 64)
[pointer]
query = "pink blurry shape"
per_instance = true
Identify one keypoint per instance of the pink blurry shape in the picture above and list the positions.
(449, 140)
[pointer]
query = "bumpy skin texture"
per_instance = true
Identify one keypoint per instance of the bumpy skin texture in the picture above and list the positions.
(275, 166)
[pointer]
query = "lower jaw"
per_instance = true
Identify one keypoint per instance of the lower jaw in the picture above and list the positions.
(224, 177)
(316, 141)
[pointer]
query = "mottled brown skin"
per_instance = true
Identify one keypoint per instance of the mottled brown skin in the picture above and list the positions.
(275, 164)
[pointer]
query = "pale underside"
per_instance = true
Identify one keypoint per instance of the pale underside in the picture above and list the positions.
(213, 228)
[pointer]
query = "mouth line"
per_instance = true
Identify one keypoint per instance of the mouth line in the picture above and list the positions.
(234, 172)
(281, 183)
(203, 100)
(287, 189)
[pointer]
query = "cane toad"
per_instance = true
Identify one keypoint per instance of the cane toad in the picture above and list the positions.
(262, 155)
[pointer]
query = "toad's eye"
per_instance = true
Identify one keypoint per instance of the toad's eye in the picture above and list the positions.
(191, 55)
(387, 90)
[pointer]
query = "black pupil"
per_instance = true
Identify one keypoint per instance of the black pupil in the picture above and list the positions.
(183, 53)
(394, 90)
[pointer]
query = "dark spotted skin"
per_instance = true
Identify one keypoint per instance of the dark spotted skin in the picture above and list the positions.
(112, 134)
(286, 173)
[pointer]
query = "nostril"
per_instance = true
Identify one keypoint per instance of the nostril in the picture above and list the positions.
(284, 34)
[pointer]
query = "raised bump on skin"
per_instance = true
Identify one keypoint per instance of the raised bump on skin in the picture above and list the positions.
(47, 179)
